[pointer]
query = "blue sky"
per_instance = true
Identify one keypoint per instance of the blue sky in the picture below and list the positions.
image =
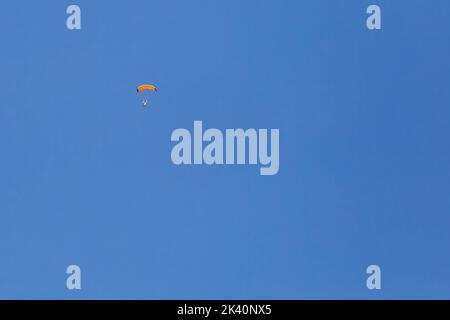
(86, 176)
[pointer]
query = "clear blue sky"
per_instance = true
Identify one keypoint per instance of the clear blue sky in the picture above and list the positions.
(86, 176)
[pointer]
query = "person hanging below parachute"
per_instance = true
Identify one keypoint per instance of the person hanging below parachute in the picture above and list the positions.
(145, 88)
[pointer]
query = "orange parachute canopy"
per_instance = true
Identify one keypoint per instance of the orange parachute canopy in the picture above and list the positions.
(146, 87)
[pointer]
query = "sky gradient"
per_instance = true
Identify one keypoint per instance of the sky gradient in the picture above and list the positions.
(86, 176)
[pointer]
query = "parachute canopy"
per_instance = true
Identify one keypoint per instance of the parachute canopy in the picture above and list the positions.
(146, 87)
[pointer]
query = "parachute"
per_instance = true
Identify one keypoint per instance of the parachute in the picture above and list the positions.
(143, 88)
(146, 87)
